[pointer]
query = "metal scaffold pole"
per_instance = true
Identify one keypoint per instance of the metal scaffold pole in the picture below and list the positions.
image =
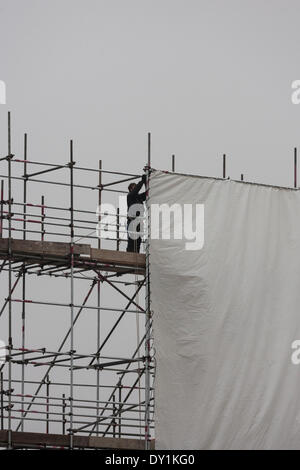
(24, 278)
(148, 309)
(98, 298)
(72, 294)
(9, 157)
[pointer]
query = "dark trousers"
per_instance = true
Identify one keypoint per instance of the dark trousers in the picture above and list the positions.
(134, 246)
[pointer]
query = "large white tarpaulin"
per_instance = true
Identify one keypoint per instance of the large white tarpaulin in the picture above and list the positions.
(225, 318)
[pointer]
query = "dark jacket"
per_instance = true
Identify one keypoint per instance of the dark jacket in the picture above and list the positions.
(133, 197)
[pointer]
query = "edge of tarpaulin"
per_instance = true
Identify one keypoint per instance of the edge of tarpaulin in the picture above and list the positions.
(215, 178)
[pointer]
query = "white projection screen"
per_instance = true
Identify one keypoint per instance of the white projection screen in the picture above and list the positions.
(225, 317)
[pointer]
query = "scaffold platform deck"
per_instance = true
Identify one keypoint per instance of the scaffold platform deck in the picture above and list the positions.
(44, 253)
(41, 440)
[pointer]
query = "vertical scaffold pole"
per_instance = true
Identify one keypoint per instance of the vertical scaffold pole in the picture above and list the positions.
(63, 414)
(47, 403)
(148, 311)
(98, 300)
(118, 229)
(43, 218)
(224, 165)
(9, 156)
(173, 163)
(295, 167)
(71, 165)
(24, 279)
(120, 408)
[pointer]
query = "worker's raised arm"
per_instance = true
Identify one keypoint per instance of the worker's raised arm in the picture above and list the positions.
(138, 187)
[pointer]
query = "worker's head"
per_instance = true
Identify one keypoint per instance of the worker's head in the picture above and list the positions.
(131, 187)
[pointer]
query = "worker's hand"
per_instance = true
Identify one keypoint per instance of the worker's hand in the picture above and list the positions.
(144, 179)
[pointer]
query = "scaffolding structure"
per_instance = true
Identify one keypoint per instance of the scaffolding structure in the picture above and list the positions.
(76, 315)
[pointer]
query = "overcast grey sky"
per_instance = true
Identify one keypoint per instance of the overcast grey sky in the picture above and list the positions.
(205, 77)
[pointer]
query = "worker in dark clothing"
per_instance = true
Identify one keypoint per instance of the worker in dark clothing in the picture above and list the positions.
(134, 197)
